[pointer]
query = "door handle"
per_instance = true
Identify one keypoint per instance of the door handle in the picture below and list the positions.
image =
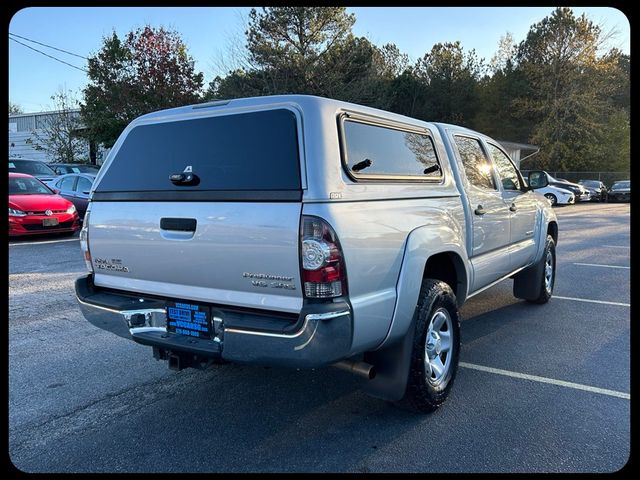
(513, 207)
(479, 210)
(178, 224)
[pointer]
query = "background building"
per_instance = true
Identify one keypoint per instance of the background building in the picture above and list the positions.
(519, 151)
(22, 127)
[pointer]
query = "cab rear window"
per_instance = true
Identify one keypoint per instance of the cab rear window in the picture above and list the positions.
(256, 151)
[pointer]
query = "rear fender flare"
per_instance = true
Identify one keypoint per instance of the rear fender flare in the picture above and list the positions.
(545, 217)
(392, 356)
(422, 243)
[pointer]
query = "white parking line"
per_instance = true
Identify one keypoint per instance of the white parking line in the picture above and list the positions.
(598, 265)
(553, 381)
(614, 246)
(46, 241)
(592, 301)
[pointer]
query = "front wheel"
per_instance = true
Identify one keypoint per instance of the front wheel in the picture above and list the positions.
(436, 348)
(552, 199)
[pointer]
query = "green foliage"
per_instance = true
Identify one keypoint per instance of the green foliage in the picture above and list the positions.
(149, 70)
(450, 78)
(556, 89)
(568, 90)
(291, 44)
(500, 114)
(14, 108)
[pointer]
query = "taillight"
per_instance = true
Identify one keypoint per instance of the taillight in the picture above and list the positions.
(323, 272)
(84, 241)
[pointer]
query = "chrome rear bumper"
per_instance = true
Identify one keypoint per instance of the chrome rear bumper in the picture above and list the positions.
(323, 337)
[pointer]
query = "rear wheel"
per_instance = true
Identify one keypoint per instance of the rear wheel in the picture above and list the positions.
(535, 283)
(548, 272)
(552, 199)
(436, 347)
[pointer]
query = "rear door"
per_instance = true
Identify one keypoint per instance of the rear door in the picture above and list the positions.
(66, 185)
(523, 208)
(205, 208)
(489, 254)
(81, 189)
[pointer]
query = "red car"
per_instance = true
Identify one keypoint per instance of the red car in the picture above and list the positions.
(34, 208)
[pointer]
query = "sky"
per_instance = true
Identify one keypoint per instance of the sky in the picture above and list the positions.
(210, 31)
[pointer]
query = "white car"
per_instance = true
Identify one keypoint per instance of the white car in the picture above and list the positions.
(557, 196)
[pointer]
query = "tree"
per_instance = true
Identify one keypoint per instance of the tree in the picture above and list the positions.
(60, 135)
(449, 78)
(505, 55)
(499, 92)
(149, 70)
(304, 50)
(309, 50)
(408, 94)
(289, 44)
(568, 88)
(14, 108)
(554, 89)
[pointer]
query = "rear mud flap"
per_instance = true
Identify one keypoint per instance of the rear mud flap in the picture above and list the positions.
(527, 284)
(392, 368)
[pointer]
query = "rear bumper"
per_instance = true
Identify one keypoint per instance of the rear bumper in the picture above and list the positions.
(323, 333)
(620, 197)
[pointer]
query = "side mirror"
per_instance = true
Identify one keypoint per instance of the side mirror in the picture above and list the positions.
(55, 190)
(537, 179)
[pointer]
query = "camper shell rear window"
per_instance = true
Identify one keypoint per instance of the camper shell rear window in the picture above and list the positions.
(230, 155)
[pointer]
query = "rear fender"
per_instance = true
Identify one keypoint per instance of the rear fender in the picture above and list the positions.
(392, 356)
(547, 216)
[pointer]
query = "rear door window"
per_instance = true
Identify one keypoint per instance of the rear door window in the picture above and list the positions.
(239, 152)
(66, 184)
(83, 185)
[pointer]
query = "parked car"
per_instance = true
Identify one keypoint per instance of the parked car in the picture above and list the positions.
(63, 168)
(580, 193)
(304, 232)
(620, 191)
(74, 187)
(40, 170)
(538, 180)
(35, 209)
(597, 190)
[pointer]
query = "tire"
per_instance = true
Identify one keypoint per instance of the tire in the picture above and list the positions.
(552, 198)
(549, 261)
(428, 387)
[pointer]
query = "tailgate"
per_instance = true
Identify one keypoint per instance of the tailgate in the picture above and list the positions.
(239, 253)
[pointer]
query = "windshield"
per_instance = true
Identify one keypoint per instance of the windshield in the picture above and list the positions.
(590, 183)
(621, 185)
(30, 167)
(82, 168)
(27, 186)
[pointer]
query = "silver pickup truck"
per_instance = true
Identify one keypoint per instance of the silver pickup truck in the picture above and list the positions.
(305, 232)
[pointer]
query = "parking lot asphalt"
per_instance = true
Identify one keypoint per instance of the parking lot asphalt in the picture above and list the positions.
(541, 388)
